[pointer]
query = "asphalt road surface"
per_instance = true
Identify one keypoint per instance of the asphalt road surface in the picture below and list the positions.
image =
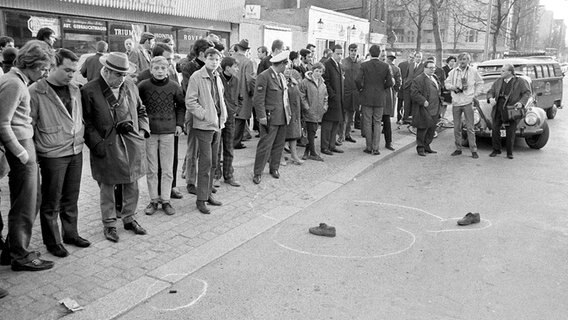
(398, 253)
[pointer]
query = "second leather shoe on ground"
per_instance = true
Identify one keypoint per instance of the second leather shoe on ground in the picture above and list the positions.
(176, 194)
(257, 178)
(329, 153)
(202, 207)
(323, 230)
(469, 218)
(232, 182)
(275, 174)
(111, 234)
(389, 147)
(135, 227)
(33, 265)
(212, 201)
(77, 241)
(191, 189)
(58, 250)
(494, 153)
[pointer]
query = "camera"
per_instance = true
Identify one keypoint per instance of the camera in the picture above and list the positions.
(458, 90)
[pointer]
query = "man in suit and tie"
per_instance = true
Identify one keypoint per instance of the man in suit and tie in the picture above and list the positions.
(409, 70)
(373, 81)
(272, 107)
(426, 92)
(391, 100)
(333, 77)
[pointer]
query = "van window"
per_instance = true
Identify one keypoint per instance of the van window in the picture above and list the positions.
(545, 71)
(557, 70)
(528, 71)
(538, 72)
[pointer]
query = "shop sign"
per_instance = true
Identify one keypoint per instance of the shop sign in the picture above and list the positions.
(35, 23)
(72, 24)
(252, 11)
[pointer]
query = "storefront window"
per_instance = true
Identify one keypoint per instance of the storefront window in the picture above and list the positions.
(119, 33)
(187, 37)
(24, 27)
(162, 32)
(81, 35)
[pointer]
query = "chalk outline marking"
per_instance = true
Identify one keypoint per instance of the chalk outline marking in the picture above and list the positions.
(203, 292)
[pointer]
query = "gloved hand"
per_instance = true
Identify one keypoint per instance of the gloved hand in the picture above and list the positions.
(125, 127)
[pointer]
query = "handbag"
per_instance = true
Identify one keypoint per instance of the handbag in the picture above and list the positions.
(513, 112)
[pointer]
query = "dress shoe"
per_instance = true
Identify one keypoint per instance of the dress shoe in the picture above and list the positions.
(176, 194)
(58, 250)
(389, 147)
(3, 293)
(202, 207)
(135, 227)
(216, 183)
(338, 143)
(257, 178)
(275, 174)
(375, 152)
(430, 151)
(315, 157)
(469, 218)
(329, 153)
(168, 209)
(305, 156)
(191, 189)
(510, 156)
(77, 241)
(323, 230)
(456, 153)
(151, 208)
(214, 202)
(368, 151)
(474, 155)
(350, 139)
(421, 153)
(110, 234)
(213, 190)
(240, 146)
(36, 264)
(232, 182)
(494, 153)
(336, 150)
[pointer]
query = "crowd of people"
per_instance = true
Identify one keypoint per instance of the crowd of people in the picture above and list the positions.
(135, 105)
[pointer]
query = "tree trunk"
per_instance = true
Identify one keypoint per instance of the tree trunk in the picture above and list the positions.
(418, 37)
(436, 27)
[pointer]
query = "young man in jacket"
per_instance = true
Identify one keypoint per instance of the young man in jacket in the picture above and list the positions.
(204, 101)
(56, 103)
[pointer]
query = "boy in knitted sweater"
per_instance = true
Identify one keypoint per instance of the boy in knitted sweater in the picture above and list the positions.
(165, 106)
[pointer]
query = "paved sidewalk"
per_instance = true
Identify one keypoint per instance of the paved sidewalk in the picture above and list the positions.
(108, 278)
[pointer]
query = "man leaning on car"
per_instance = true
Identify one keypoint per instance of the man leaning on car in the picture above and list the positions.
(506, 91)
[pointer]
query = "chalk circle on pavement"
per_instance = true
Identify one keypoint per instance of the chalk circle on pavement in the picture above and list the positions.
(365, 230)
(182, 294)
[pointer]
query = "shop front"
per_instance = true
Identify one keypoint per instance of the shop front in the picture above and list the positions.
(79, 24)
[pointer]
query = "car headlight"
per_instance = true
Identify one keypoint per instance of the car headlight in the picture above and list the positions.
(531, 119)
(476, 117)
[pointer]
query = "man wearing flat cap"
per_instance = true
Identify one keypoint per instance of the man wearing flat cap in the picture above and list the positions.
(273, 110)
(116, 125)
(141, 55)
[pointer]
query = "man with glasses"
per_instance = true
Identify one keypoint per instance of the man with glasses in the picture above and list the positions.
(116, 125)
(464, 83)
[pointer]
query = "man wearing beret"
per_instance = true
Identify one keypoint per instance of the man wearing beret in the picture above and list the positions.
(272, 107)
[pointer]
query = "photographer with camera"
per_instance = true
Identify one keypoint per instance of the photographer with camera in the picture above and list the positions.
(464, 83)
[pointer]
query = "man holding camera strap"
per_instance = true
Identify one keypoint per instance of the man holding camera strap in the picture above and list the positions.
(464, 83)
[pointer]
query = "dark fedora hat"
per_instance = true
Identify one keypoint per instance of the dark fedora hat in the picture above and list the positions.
(244, 44)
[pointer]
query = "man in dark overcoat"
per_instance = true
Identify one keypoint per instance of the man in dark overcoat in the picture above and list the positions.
(426, 92)
(391, 100)
(351, 65)
(116, 125)
(333, 77)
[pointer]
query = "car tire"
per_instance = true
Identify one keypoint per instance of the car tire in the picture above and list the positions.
(551, 112)
(539, 141)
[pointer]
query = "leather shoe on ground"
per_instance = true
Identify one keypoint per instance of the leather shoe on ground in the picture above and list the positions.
(368, 151)
(430, 151)
(421, 153)
(329, 153)
(110, 234)
(336, 150)
(510, 156)
(469, 218)
(214, 202)
(474, 155)
(77, 241)
(315, 158)
(494, 153)
(323, 230)
(213, 190)
(456, 153)
(338, 143)
(350, 139)
(135, 227)
(168, 209)
(176, 194)
(33, 265)
(202, 207)
(256, 178)
(232, 182)
(390, 147)
(191, 189)
(151, 208)
(275, 174)
(240, 146)
(375, 152)
(58, 250)
(3, 293)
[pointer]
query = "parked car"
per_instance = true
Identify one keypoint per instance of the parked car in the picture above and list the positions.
(533, 127)
(545, 74)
